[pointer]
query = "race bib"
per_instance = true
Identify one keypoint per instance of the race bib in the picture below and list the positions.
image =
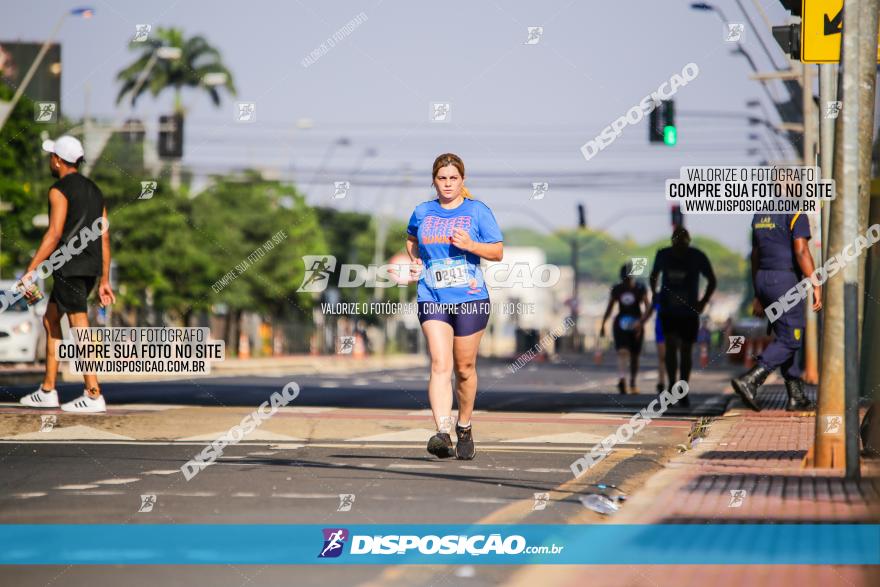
(449, 272)
(628, 322)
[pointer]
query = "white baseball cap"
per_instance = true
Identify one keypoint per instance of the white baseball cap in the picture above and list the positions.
(67, 148)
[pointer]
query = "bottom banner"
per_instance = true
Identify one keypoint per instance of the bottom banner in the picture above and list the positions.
(172, 544)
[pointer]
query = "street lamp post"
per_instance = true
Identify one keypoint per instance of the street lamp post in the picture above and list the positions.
(6, 108)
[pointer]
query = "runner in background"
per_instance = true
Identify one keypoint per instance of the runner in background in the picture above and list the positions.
(448, 236)
(679, 300)
(630, 296)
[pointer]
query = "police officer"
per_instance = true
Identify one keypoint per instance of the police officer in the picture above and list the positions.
(780, 259)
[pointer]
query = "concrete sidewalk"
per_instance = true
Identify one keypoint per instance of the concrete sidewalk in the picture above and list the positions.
(747, 469)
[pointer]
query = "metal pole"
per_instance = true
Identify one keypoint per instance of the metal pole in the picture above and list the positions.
(867, 83)
(811, 337)
(833, 418)
(758, 36)
(869, 377)
(827, 93)
(7, 109)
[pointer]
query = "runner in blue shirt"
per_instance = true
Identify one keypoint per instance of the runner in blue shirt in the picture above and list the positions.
(447, 238)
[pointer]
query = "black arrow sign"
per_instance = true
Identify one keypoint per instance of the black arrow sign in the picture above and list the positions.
(835, 25)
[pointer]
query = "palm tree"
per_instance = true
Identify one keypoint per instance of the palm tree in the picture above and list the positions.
(196, 66)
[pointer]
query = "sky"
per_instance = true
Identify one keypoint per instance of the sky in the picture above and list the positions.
(519, 113)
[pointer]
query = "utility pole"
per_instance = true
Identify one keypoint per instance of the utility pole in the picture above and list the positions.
(811, 332)
(870, 321)
(827, 93)
(867, 83)
(836, 437)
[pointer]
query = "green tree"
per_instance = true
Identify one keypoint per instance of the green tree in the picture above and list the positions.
(233, 222)
(24, 183)
(197, 60)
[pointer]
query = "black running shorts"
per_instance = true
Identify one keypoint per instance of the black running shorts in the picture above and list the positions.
(70, 293)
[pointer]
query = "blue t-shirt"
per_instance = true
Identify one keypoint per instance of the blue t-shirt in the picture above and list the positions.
(451, 275)
(773, 235)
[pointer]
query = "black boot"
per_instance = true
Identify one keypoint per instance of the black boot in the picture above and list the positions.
(746, 385)
(797, 401)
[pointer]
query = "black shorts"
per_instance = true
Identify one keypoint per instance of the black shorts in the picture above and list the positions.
(466, 318)
(682, 326)
(71, 293)
(628, 339)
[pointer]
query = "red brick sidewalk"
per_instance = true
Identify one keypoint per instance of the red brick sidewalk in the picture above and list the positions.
(747, 469)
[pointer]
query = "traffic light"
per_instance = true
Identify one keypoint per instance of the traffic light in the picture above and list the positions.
(171, 136)
(661, 124)
(582, 216)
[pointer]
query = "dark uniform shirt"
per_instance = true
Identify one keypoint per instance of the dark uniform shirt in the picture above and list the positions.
(85, 204)
(680, 286)
(772, 237)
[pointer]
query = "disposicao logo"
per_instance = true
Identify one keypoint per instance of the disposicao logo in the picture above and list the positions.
(334, 541)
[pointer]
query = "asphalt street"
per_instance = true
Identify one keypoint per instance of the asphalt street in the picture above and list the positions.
(351, 450)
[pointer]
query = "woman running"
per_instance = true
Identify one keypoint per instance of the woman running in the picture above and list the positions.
(629, 295)
(448, 236)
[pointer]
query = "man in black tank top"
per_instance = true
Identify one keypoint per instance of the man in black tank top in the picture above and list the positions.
(629, 295)
(77, 248)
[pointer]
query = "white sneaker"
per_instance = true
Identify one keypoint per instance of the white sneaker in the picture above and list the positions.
(40, 399)
(86, 405)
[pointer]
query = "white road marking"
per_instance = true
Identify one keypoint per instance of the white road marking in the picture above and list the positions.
(191, 494)
(117, 481)
(256, 434)
(481, 500)
(411, 435)
(30, 495)
(307, 495)
(412, 466)
(547, 471)
(244, 494)
(564, 438)
(78, 432)
(77, 487)
(162, 472)
(262, 453)
(328, 384)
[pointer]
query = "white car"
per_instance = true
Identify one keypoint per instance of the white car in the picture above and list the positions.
(21, 329)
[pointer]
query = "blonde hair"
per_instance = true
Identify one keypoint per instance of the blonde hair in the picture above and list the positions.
(451, 159)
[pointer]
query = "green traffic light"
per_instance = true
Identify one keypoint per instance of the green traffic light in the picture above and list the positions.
(670, 135)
